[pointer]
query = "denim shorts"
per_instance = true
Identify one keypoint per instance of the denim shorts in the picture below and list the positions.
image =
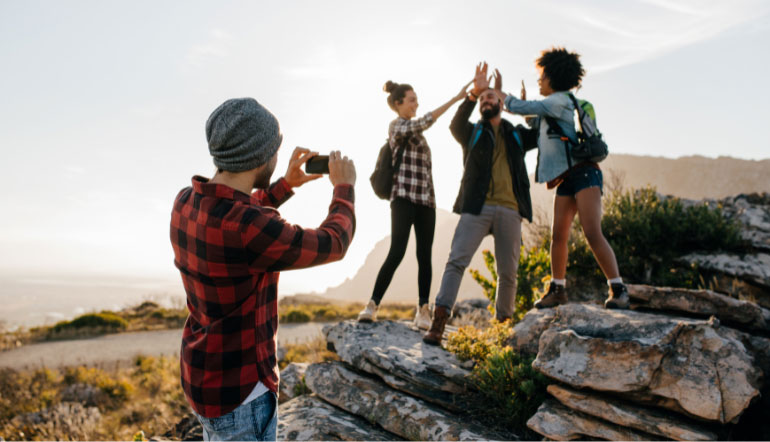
(579, 179)
(255, 420)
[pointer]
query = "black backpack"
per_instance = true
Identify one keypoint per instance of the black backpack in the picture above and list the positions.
(590, 145)
(382, 177)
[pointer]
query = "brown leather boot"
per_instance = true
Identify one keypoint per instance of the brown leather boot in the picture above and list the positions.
(440, 318)
(557, 295)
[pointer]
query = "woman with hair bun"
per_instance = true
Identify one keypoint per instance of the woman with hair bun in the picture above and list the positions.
(412, 200)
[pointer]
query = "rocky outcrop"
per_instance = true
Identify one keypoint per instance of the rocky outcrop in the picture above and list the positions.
(704, 303)
(310, 418)
(557, 422)
(473, 312)
(630, 415)
(292, 381)
(406, 416)
(745, 274)
(394, 352)
(752, 212)
(686, 365)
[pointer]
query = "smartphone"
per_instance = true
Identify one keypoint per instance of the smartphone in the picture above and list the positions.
(317, 164)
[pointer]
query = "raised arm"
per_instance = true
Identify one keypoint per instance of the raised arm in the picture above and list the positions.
(276, 245)
(443, 108)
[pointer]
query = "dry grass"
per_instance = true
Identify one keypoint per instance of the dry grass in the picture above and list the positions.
(146, 396)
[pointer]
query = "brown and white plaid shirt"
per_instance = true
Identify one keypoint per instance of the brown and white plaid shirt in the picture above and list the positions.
(414, 178)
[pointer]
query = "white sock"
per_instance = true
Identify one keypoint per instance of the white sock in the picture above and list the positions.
(617, 280)
(561, 282)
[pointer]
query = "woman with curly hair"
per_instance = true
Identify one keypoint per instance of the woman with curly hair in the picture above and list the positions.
(578, 184)
(412, 200)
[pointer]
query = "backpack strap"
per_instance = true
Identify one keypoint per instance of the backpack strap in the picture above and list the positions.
(475, 135)
(399, 158)
(577, 109)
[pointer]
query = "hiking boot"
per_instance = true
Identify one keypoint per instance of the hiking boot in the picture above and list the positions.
(422, 317)
(557, 295)
(618, 297)
(369, 313)
(440, 317)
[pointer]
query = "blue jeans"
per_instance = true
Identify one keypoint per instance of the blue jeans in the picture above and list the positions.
(256, 420)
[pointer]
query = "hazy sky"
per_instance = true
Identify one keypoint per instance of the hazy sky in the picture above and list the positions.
(103, 103)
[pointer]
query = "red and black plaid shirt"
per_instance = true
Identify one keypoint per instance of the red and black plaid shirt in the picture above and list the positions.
(229, 247)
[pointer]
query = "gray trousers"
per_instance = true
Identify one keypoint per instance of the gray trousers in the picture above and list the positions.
(505, 225)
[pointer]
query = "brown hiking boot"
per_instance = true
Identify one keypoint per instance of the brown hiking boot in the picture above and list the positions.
(618, 297)
(440, 318)
(557, 295)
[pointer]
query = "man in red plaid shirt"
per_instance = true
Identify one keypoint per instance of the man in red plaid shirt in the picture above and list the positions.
(229, 245)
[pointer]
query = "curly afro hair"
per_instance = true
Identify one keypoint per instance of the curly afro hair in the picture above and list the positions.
(563, 68)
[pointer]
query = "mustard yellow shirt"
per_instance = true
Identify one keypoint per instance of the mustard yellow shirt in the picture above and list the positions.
(500, 191)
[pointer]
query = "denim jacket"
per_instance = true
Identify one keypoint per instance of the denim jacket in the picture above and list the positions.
(552, 157)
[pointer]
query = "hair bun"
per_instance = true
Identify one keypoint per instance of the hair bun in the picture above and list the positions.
(389, 86)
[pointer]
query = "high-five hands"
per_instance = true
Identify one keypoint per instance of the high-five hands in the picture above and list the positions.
(480, 79)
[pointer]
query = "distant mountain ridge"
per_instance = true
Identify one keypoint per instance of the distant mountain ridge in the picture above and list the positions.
(693, 177)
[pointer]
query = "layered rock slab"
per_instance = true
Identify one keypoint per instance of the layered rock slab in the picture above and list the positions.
(737, 313)
(291, 380)
(395, 352)
(557, 422)
(685, 365)
(666, 425)
(310, 418)
(401, 414)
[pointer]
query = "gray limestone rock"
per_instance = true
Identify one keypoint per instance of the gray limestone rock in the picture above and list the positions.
(525, 336)
(557, 422)
(395, 352)
(747, 276)
(399, 413)
(737, 313)
(291, 380)
(310, 418)
(690, 366)
(666, 425)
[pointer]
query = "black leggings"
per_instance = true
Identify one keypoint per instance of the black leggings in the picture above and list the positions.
(404, 214)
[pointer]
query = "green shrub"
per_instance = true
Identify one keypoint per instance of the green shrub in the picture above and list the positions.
(534, 267)
(511, 390)
(103, 320)
(296, 315)
(648, 234)
(471, 343)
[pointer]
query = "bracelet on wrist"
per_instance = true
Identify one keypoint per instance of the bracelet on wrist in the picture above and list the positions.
(473, 95)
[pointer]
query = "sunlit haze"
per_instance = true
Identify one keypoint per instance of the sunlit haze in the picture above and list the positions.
(104, 103)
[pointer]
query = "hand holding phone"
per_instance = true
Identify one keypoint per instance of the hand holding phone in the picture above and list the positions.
(295, 177)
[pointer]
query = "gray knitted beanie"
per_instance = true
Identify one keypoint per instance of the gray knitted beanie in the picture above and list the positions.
(242, 135)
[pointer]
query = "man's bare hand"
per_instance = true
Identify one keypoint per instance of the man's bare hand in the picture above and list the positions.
(341, 169)
(480, 79)
(498, 80)
(295, 176)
